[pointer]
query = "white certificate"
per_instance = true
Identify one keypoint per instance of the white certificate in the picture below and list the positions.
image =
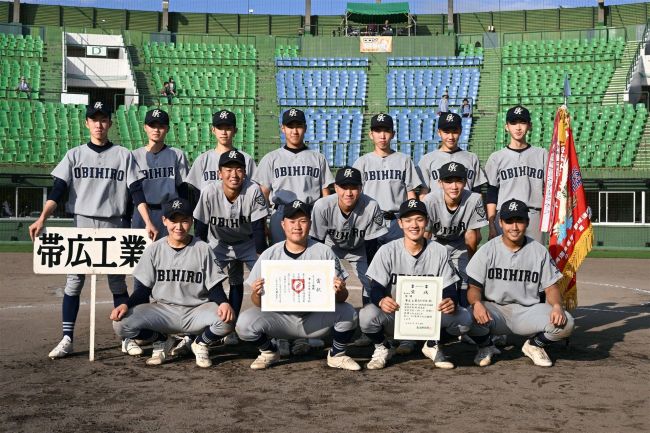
(298, 285)
(418, 317)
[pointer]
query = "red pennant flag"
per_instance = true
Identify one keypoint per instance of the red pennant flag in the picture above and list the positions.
(566, 215)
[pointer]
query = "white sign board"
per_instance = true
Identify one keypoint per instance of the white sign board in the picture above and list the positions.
(65, 250)
(298, 285)
(418, 317)
(95, 51)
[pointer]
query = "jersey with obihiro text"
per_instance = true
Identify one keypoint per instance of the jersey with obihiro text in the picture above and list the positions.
(511, 277)
(163, 173)
(431, 162)
(205, 169)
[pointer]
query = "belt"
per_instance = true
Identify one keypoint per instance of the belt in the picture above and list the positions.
(154, 206)
(390, 216)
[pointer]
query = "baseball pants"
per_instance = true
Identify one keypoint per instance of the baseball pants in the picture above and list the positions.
(515, 319)
(171, 319)
(253, 323)
(232, 257)
(372, 320)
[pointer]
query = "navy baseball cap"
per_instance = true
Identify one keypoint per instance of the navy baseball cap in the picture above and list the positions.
(412, 205)
(224, 117)
(381, 120)
(514, 208)
(293, 115)
(296, 207)
(518, 113)
(232, 156)
(348, 176)
(97, 107)
(449, 121)
(177, 206)
(452, 169)
(156, 116)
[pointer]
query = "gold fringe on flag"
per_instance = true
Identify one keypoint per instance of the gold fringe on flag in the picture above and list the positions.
(580, 251)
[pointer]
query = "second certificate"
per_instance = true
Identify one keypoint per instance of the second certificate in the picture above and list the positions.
(418, 317)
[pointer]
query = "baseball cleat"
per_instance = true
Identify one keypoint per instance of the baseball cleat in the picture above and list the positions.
(362, 341)
(380, 357)
(537, 354)
(231, 339)
(266, 359)
(500, 340)
(484, 355)
(438, 357)
(405, 347)
(202, 354)
(161, 351)
(300, 347)
(182, 348)
(63, 349)
(131, 347)
(342, 361)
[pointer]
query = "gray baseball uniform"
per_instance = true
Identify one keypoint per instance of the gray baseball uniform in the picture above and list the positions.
(205, 168)
(180, 281)
(432, 161)
(388, 180)
(230, 231)
(253, 323)
(520, 175)
(163, 174)
(391, 260)
(511, 283)
(346, 235)
(292, 176)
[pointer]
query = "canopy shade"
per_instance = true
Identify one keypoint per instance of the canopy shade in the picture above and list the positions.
(378, 12)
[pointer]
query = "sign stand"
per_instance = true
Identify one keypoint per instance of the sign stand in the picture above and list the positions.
(93, 295)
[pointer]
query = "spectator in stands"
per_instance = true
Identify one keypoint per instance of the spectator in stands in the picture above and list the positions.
(6, 209)
(168, 92)
(466, 108)
(443, 105)
(386, 30)
(371, 29)
(172, 85)
(23, 86)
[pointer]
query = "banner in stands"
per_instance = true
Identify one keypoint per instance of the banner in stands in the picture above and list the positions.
(376, 44)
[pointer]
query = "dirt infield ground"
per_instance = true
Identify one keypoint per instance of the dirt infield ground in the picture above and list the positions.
(599, 383)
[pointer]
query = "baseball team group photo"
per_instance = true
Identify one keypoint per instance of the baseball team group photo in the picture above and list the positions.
(229, 216)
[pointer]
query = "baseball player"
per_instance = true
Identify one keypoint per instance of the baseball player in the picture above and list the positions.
(99, 176)
(412, 255)
(506, 277)
(449, 130)
(205, 168)
(389, 177)
(163, 167)
(231, 217)
(259, 327)
(181, 275)
(517, 171)
(293, 172)
(456, 216)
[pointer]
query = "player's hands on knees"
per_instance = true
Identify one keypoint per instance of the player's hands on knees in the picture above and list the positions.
(481, 314)
(388, 305)
(258, 287)
(339, 285)
(36, 228)
(226, 313)
(447, 306)
(119, 312)
(558, 318)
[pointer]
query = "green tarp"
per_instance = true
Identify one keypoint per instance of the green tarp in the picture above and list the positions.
(378, 12)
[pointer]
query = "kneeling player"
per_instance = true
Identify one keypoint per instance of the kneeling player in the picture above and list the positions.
(411, 255)
(506, 277)
(260, 327)
(181, 275)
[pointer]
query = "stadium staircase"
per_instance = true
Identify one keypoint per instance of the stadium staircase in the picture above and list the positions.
(376, 99)
(618, 83)
(642, 160)
(481, 140)
(267, 108)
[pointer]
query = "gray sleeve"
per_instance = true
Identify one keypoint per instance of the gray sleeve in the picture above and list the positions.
(256, 272)
(447, 270)
(264, 173)
(477, 218)
(431, 210)
(260, 208)
(145, 271)
(203, 209)
(492, 170)
(379, 269)
(412, 179)
(195, 174)
(338, 268)
(480, 178)
(326, 174)
(549, 273)
(376, 228)
(251, 168)
(213, 273)
(478, 264)
(181, 168)
(132, 172)
(63, 168)
(319, 222)
(424, 172)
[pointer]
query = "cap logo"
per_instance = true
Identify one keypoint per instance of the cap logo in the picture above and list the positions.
(452, 166)
(98, 105)
(232, 154)
(518, 110)
(296, 204)
(412, 204)
(512, 207)
(380, 118)
(450, 117)
(156, 113)
(347, 172)
(293, 112)
(223, 115)
(177, 204)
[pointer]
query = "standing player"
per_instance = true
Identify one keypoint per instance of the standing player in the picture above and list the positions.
(231, 217)
(260, 327)
(412, 255)
(506, 277)
(99, 177)
(456, 216)
(180, 273)
(293, 172)
(517, 171)
(449, 130)
(205, 167)
(163, 167)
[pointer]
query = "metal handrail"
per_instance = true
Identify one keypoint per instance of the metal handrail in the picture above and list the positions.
(591, 98)
(637, 56)
(567, 58)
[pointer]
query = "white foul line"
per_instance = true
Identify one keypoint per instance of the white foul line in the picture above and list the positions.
(617, 286)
